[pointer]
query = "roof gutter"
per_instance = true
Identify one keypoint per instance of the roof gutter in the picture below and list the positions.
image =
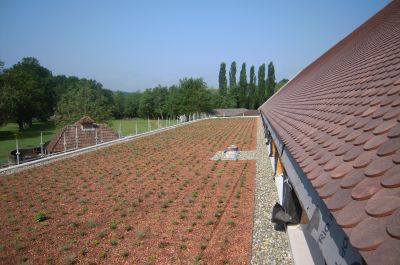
(327, 234)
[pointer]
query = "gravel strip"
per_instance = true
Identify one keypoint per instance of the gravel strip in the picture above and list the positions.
(243, 155)
(268, 245)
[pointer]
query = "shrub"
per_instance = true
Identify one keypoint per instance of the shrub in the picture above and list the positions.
(113, 242)
(182, 215)
(40, 216)
(238, 194)
(162, 244)
(210, 222)
(197, 258)
(102, 234)
(164, 205)
(218, 213)
(83, 251)
(231, 222)
(18, 246)
(102, 254)
(128, 227)
(65, 248)
(70, 260)
(113, 225)
(140, 234)
(124, 253)
(91, 223)
(199, 215)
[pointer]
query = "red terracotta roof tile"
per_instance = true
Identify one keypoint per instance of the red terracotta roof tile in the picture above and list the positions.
(392, 113)
(321, 180)
(352, 179)
(339, 200)
(363, 138)
(383, 203)
(369, 233)
(316, 172)
(389, 147)
(327, 191)
(351, 214)
(363, 160)
(395, 131)
(342, 170)
(391, 178)
(385, 254)
(378, 167)
(366, 188)
(353, 153)
(374, 142)
(396, 157)
(393, 225)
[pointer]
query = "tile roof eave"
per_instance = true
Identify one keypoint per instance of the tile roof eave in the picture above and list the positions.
(321, 220)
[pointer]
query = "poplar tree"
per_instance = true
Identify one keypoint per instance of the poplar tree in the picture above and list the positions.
(251, 100)
(233, 89)
(243, 87)
(270, 81)
(222, 81)
(261, 86)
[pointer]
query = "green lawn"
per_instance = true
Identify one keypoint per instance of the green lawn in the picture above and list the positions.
(31, 137)
(128, 126)
(27, 139)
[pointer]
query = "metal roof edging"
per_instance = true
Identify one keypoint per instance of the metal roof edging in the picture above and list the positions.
(322, 226)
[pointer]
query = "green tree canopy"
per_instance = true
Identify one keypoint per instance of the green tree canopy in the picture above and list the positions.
(160, 95)
(194, 96)
(88, 98)
(243, 87)
(26, 92)
(281, 84)
(261, 85)
(132, 105)
(270, 81)
(223, 85)
(233, 90)
(252, 97)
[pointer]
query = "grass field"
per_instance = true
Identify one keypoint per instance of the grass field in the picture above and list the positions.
(128, 126)
(31, 137)
(27, 139)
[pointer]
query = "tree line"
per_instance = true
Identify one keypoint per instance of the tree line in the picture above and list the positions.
(247, 94)
(29, 91)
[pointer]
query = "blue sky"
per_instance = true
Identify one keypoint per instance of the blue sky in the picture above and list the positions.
(133, 45)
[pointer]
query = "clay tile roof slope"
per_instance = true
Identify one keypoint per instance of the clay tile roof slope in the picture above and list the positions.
(228, 112)
(252, 112)
(340, 117)
(86, 137)
(85, 120)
